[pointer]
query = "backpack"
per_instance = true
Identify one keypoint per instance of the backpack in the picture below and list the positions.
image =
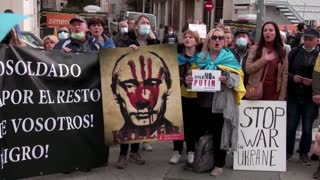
(203, 156)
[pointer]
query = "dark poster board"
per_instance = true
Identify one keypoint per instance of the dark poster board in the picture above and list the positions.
(50, 112)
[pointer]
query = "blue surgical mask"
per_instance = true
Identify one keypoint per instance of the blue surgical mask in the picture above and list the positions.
(124, 30)
(309, 50)
(63, 35)
(78, 36)
(242, 42)
(144, 30)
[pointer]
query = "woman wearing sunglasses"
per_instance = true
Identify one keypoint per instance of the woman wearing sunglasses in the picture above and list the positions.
(63, 33)
(222, 105)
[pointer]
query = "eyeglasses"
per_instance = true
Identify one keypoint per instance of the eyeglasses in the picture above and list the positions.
(214, 38)
(63, 31)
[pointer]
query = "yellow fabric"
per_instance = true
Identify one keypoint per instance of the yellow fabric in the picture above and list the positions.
(317, 66)
(186, 93)
(239, 91)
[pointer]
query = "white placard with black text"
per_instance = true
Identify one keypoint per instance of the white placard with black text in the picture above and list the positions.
(200, 28)
(262, 136)
(206, 80)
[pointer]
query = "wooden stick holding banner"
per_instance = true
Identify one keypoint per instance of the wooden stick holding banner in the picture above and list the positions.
(206, 80)
(261, 136)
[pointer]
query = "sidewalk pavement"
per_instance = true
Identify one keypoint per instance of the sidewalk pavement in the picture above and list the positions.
(157, 167)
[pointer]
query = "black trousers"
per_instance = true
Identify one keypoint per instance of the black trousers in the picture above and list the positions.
(125, 147)
(192, 132)
(214, 122)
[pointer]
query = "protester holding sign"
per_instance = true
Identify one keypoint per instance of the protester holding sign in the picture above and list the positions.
(214, 109)
(267, 66)
(78, 41)
(186, 55)
(140, 35)
(49, 42)
(96, 28)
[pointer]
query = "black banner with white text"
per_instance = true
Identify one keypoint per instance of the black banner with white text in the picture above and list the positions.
(50, 112)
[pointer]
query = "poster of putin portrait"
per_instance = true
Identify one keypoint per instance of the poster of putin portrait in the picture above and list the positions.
(141, 94)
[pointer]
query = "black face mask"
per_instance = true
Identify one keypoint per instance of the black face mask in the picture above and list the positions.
(6, 39)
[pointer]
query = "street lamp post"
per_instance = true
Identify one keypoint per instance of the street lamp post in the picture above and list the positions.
(260, 18)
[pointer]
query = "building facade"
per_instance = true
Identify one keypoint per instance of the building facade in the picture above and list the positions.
(28, 8)
(176, 12)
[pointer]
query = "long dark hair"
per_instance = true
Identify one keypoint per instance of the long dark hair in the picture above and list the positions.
(277, 43)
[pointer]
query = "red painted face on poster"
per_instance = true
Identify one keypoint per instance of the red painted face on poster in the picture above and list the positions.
(141, 88)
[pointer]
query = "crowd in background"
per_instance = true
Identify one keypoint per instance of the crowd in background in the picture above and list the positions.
(282, 62)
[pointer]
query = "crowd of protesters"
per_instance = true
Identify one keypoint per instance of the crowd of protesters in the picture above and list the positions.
(282, 61)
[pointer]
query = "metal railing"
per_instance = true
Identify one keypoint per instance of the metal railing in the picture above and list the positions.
(287, 5)
(306, 10)
(299, 8)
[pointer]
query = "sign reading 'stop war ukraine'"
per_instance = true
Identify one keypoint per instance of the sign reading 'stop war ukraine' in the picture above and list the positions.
(262, 136)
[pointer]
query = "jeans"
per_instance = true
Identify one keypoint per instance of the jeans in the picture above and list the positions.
(306, 111)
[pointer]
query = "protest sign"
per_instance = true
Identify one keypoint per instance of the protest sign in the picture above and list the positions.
(51, 114)
(200, 28)
(206, 80)
(141, 94)
(262, 136)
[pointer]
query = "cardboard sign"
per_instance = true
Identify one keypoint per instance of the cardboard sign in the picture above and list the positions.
(200, 28)
(137, 105)
(206, 81)
(261, 136)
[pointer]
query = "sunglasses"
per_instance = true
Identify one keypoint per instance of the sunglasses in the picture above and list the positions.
(214, 38)
(63, 31)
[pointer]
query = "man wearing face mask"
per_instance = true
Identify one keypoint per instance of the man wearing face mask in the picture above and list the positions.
(63, 33)
(302, 61)
(78, 41)
(170, 37)
(121, 37)
(241, 49)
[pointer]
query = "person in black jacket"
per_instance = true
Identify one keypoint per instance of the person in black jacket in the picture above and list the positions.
(78, 40)
(241, 49)
(140, 35)
(170, 37)
(299, 101)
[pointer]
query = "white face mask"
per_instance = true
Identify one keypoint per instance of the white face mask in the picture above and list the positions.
(144, 30)
(124, 30)
(309, 50)
(63, 35)
(241, 42)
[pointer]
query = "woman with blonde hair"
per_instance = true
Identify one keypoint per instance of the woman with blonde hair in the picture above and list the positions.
(222, 105)
(49, 42)
(187, 54)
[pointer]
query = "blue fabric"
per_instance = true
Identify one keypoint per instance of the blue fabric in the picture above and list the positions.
(17, 27)
(182, 59)
(225, 58)
(8, 21)
(109, 44)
